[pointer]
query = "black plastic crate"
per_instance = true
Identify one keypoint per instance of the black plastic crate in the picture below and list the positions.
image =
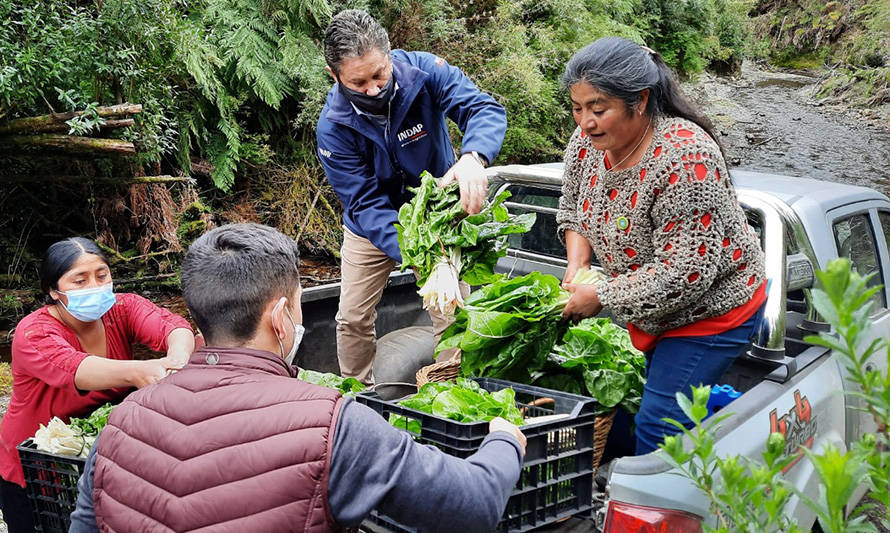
(557, 475)
(51, 484)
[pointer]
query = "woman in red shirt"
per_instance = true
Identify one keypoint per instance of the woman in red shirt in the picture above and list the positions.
(74, 354)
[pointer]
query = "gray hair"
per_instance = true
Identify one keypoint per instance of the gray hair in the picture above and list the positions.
(623, 69)
(352, 33)
(231, 273)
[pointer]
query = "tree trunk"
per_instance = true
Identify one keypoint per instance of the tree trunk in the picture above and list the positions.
(37, 124)
(67, 143)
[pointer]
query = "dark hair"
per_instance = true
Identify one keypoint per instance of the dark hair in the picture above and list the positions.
(231, 273)
(59, 258)
(623, 69)
(352, 33)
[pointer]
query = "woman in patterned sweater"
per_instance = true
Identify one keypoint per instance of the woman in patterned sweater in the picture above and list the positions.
(646, 191)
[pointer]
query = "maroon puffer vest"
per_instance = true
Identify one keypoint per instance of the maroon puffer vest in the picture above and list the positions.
(232, 442)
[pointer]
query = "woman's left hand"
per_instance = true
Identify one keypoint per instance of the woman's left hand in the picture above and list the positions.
(584, 302)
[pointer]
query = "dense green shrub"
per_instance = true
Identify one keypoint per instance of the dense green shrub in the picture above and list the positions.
(218, 78)
(207, 72)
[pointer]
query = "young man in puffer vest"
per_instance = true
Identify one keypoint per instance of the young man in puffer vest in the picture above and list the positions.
(233, 442)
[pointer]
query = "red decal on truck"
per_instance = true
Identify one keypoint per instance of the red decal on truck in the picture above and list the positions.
(798, 426)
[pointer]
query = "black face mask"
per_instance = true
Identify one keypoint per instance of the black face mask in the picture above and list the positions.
(376, 105)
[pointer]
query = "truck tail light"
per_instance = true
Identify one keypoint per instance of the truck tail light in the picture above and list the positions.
(627, 518)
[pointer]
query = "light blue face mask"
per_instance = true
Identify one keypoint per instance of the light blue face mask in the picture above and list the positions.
(88, 305)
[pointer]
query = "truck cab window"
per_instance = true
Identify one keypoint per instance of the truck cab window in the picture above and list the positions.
(855, 240)
(884, 218)
(544, 202)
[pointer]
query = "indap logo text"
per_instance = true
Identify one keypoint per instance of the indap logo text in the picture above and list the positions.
(798, 426)
(411, 133)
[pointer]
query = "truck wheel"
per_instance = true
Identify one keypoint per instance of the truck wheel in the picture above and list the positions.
(401, 353)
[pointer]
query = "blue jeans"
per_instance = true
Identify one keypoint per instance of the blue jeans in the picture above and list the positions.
(675, 365)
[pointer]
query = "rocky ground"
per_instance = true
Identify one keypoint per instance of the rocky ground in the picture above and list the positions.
(773, 121)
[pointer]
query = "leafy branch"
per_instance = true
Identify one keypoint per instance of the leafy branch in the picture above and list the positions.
(747, 495)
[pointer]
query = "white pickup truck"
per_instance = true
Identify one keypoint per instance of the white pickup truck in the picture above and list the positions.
(787, 385)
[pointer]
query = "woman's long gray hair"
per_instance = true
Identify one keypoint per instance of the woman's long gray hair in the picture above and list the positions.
(623, 69)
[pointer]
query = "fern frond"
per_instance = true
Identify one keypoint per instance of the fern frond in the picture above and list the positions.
(200, 60)
(224, 151)
(250, 44)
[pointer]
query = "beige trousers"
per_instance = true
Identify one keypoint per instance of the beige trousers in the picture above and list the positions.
(363, 273)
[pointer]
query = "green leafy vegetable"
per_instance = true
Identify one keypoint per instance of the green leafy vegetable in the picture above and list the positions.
(94, 423)
(347, 386)
(445, 245)
(610, 367)
(464, 401)
(508, 328)
(74, 438)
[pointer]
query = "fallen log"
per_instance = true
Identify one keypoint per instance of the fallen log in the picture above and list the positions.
(143, 279)
(68, 143)
(61, 127)
(129, 180)
(37, 124)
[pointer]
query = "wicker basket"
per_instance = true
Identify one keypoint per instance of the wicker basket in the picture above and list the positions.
(441, 371)
(601, 434)
(448, 370)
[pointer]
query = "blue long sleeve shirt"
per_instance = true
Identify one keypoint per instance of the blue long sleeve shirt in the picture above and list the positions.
(376, 466)
(369, 166)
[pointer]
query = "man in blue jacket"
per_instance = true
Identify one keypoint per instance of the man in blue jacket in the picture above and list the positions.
(383, 124)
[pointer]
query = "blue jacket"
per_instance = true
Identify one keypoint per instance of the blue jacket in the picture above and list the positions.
(370, 166)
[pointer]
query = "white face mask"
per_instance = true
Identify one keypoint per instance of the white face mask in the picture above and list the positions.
(299, 330)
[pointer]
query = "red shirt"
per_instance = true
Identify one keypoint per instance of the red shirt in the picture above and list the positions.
(45, 356)
(709, 326)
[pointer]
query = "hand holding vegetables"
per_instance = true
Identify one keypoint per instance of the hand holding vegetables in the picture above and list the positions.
(470, 176)
(444, 245)
(583, 302)
(569, 275)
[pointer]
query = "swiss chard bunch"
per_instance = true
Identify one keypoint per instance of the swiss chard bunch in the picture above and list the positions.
(600, 353)
(94, 423)
(346, 386)
(464, 401)
(508, 327)
(445, 245)
(74, 438)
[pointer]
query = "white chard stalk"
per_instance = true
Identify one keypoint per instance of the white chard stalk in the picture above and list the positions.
(60, 438)
(585, 276)
(441, 292)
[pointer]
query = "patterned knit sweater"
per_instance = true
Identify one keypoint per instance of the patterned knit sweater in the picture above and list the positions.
(669, 230)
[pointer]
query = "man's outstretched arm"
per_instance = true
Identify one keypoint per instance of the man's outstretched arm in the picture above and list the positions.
(376, 466)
